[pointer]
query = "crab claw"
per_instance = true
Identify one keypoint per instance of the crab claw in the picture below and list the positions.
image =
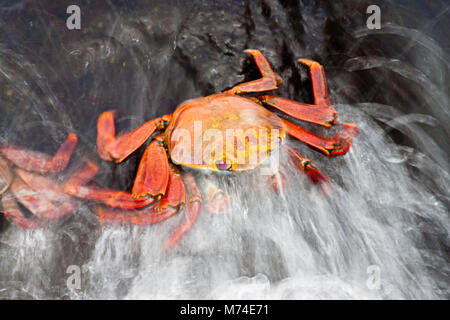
(171, 203)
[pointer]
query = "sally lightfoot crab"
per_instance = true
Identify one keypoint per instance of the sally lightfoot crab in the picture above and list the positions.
(196, 136)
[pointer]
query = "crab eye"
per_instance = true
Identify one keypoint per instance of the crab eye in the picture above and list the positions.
(223, 165)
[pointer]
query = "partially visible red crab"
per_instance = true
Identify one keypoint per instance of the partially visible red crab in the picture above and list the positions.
(25, 177)
(158, 180)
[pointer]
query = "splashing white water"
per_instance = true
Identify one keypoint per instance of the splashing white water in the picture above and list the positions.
(299, 244)
(380, 233)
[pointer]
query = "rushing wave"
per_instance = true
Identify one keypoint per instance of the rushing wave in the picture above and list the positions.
(381, 231)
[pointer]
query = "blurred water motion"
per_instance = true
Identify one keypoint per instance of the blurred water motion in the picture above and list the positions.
(387, 215)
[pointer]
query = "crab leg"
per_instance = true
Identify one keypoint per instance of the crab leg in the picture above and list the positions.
(6, 176)
(149, 186)
(43, 203)
(42, 184)
(269, 81)
(14, 215)
(168, 206)
(42, 192)
(112, 198)
(304, 164)
(111, 148)
(193, 209)
(319, 82)
(82, 176)
(319, 114)
(40, 162)
(74, 186)
(339, 145)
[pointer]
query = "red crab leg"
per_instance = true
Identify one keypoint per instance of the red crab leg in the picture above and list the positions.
(269, 81)
(323, 115)
(306, 167)
(40, 162)
(112, 198)
(74, 186)
(47, 193)
(319, 82)
(42, 203)
(150, 182)
(117, 199)
(6, 176)
(339, 145)
(82, 176)
(14, 215)
(111, 148)
(42, 184)
(193, 209)
(168, 206)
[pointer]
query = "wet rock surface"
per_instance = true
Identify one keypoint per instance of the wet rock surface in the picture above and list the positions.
(143, 58)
